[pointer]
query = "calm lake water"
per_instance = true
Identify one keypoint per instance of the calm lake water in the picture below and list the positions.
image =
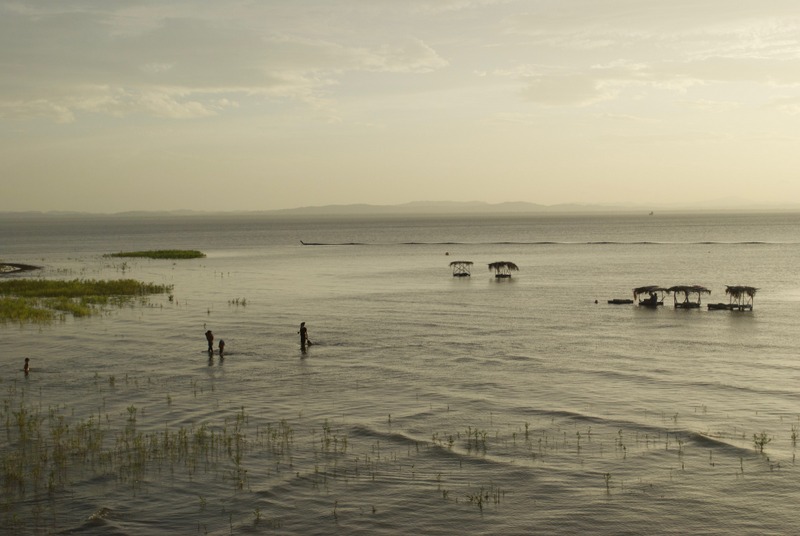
(428, 404)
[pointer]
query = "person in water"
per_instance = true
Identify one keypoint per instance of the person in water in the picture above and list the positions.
(26, 368)
(303, 336)
(210, 339)
(221, 347)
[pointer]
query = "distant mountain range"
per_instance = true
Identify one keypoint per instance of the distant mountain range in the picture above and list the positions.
(518, 207)
(442, 207)
(448, 207)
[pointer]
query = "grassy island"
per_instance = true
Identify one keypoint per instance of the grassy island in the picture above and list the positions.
(40, 300)
(161, 254)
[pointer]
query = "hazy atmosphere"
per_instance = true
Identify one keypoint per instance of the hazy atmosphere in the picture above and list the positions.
(258, 105)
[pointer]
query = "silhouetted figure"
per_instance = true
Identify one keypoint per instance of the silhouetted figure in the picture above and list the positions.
(303, 336)
(221, 347)
(26, 368)
(210, 339)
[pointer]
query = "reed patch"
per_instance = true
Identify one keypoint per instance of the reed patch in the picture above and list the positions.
(43, 300)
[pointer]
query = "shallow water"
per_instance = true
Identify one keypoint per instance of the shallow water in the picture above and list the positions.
(428, 404)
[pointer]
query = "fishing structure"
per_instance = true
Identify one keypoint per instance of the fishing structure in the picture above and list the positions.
(688, 292)
(461, 268)
(655, 295)
(503, 269)
(741, 298)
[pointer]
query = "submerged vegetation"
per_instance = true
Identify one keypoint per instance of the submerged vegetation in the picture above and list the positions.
(40, 300)
(131, 441)
(45, 450)
(161, 254)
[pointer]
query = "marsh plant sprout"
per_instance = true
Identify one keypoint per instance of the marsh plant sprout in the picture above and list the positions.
(761, 440)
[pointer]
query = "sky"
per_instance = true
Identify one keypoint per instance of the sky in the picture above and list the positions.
(109, 106)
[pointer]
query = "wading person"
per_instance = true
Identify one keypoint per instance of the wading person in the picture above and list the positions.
(221, 347)
(303, 336)
(210, 339)
(26, 367)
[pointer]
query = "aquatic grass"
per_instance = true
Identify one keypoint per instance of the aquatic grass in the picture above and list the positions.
(322, 454)
(41, 300)
(24, 311)
(42, 449)
(79, 288)
(484, 495)
(175, 254)
(77, 308)
(761, 440)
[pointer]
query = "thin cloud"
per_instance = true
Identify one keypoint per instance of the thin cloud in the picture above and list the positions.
(572, 89)
(175, 59)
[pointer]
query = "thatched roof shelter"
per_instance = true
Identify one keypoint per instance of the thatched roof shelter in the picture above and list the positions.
(741, 295)
(649, 289)
(654, 293)
(687, 291)
(503, 268)
(461, 268)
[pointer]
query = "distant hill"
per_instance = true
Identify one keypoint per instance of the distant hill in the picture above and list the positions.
(454, 207)
(433, 208)
(519, 207)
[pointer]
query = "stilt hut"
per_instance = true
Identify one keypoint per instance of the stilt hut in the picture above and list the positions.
(503, 269)
(741, 297)
(654, 293)
(688, 292)
(461, 268)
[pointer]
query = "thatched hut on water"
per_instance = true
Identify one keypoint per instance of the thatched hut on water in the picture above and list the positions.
(741, 297)
(687, 291)
(655, 295)
(461, 268)
(503, 269)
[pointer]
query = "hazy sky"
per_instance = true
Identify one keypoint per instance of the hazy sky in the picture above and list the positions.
(108, 106)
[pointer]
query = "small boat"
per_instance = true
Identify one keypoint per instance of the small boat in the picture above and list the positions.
(721, 306)
(14, 267)
(620, 301)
